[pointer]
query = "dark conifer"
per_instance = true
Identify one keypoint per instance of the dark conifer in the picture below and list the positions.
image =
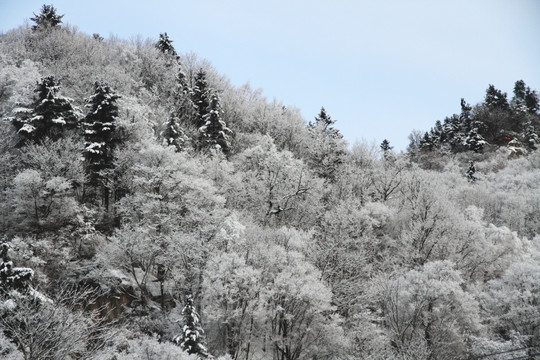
(47, 19)
(99, 127)
(12, 277)
(496, 99)
(200, 97)
(192, 338)
(470, 172)
(164, 45)
(48, 117)
(327, 150)
(214, 133)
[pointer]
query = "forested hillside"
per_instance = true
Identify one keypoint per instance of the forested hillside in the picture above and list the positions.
(152, 210)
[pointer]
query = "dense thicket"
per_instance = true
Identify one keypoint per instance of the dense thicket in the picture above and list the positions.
(178, 216)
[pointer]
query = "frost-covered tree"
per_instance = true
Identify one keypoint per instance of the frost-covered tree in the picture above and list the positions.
(192, 338)
(327, 147)
(164, 45)
(496, 99)
(469, 174)
(47, 19)
(180, 126)
(385, 146)
(201, 97)
(11, 277)
(48, 116)
(99, 127)
(174, 135)
(214, 133)
(428, 314)
(532, 101)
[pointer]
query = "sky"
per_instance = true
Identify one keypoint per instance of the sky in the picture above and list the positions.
(380, 68)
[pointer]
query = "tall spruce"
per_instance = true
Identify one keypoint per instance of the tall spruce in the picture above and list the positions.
(191, 339)
(48, 116)
(164, 44)
(182, 115)
(12, 278)
(495, 99)
(214, 134)
(99, 127)
(201, 97)
(327, 148)
(47, 19)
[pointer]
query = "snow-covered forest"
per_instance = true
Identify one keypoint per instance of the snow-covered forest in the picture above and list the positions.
(152, 210)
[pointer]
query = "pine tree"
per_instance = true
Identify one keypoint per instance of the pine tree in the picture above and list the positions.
(164, 45)
(99, 127)
(182, 116)
(385, 146)
(214, 133)
(496, 99)
(465, 116)
(327, 150)
(470, 172)
(531, 101)
(12, 277)
(191, 340)
(427, 142)
(47, 19)
(474, 141)
(200, 97)
(48, 117)
(174, 135)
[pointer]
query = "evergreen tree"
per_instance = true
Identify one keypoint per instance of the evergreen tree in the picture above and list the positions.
(496, 99)
(327, 150)
(191, 340)
(531, 137)
(214, 132)
(182, 114)
(474, 141)
(97, 37)
(200, 97)
(531, 101)
(12, 277)
(48, 117)
(518, 100)
(453, 130)
(99, 127)
(470, 172)
(385, 146)
(164, 45)
(174, 135)
(47, 19)
(465, 116)
(427, 143)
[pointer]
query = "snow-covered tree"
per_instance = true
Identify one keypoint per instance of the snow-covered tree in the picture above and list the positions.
(496, 99)
(474, 141)
(48, 116)
(99, 127)
(192, 338)
(385, 146)
(326, 146)
(469, 174)
(428, 314)
(11, 277)
(214, 133)
(47, 19)
(164, 45)
(201, 97)
(180, 126)
(174, 135)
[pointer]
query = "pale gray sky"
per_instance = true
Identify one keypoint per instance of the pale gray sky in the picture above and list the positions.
(380, 68)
